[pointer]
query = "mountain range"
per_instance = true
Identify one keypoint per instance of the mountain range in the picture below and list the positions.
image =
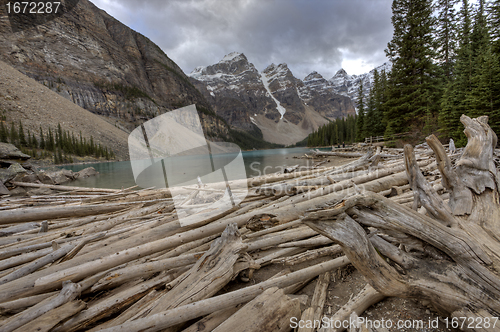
(108, 69)
(105, 67)
(348, 85)
(272, 103)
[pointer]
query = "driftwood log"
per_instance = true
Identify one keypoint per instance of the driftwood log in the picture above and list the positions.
(448, 255)
(273, 308)
(119, 260)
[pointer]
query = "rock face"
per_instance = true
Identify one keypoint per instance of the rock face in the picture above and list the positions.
(348, 85)
(272, 102)
(53, 176)
(230, 86)
(103, 66)
(37, 106)
(321, 95)
(9, 151)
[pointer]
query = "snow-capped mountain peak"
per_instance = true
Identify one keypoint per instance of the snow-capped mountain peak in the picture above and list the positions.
(348, 85)
(313, 76)
(341, 73)
(284, 108)
(234, 63)
(233, 56)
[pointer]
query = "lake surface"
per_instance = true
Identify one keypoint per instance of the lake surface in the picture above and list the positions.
(117, 175)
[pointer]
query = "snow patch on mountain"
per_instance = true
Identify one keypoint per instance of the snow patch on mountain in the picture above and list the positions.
(231, 57)
(348, 85)
(279, 73)
(265, 82)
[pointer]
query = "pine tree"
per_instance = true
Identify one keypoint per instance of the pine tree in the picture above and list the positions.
(42, 139)
(413, 87)
(4, 135)
(59, 136)
(34, 141)
(484, 97)
(14, 135)
(374, 121)
(380, 94)
(59, 156)
(369, 114)
(50, 141)
(22, 137)
(456, 95)
(446, 35)
(360, 118)
(91, 146)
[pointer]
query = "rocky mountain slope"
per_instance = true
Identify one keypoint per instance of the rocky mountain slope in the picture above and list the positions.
(348, 85)
(100, 64)
(24, 99)
(272, 103)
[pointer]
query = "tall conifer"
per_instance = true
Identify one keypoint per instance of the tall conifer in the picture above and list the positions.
(360, 133)
(413, 89)
(446, 35)
(456, 99)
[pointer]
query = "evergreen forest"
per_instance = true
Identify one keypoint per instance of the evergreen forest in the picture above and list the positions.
(445, 57)
(59, 144)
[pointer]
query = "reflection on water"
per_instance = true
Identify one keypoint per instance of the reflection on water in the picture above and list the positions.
(119, 175)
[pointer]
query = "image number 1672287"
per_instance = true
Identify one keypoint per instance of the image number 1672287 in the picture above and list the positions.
(24, 15)
(37, 8)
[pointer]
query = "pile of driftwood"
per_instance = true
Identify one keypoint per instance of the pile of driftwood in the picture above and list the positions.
(119, 260)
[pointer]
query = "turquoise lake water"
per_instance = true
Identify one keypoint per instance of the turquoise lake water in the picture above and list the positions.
(119, 175)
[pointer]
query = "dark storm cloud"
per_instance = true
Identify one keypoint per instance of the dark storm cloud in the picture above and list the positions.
(308, 35)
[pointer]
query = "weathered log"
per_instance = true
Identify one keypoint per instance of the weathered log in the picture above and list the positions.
(190, 311)
(465, 273)
(310, 255)
(280, 237)
(251, 182)
(145, 270)
(273, 229)
(187, 247)
(367, 297)
(338, 154)
(161, 238)
(69, 292)
(24, 258)
(130, 312)
(115, 303)
(47, 321)
(42, 213)
(424, 193)
(211, 272)
(44, 227)
(314, 312)
(63, 188)
(290, 169)
(270, 311)
(19, 228)
(134, 213)
(386, 279)
(316, 241)
(210, 322)
(23, 303)
(80, 245)
(50, 258)
(277, 253)
(262, 221)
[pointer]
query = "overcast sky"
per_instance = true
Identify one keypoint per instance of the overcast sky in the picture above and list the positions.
(308, 35)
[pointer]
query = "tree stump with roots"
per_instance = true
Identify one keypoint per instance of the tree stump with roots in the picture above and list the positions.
(447, 253)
